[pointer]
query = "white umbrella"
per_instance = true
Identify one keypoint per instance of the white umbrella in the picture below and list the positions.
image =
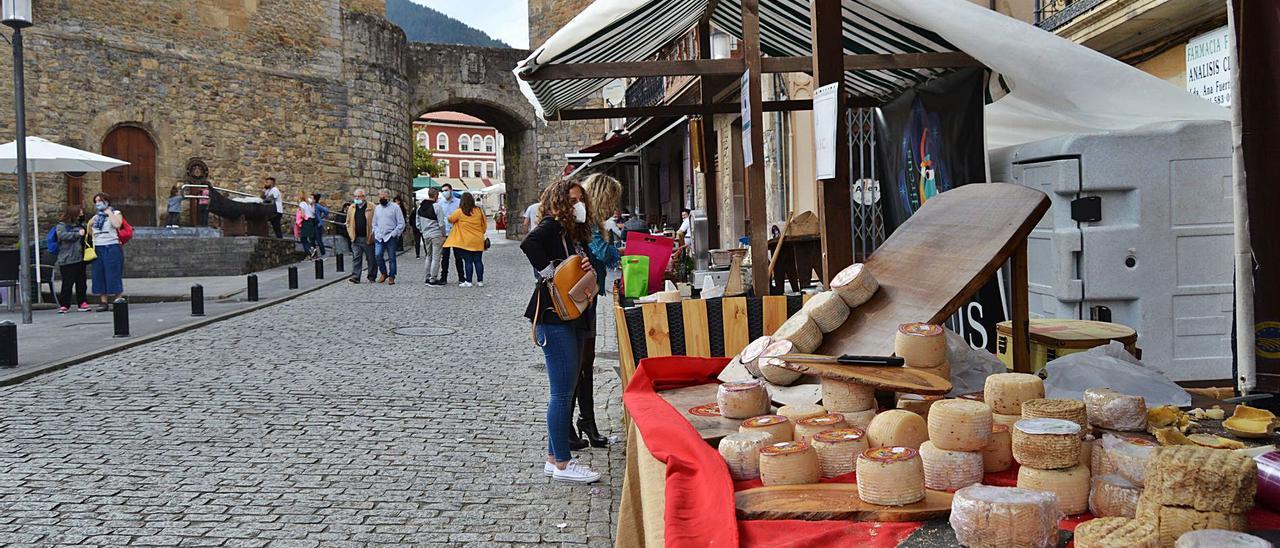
(44, 156)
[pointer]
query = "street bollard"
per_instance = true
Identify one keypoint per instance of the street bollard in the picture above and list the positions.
(197, 300)
(253, 288)
(8, 344)
(120, 308)
(293, 277)
(319, 269)
(341, 266)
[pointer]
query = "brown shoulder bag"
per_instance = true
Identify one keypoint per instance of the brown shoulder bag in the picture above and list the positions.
(571, 287)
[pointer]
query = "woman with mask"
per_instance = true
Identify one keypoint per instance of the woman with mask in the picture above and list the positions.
(603, 193)
(562, 230)
(467, 239)
(305, 224)
(70, 261)
(108, 270)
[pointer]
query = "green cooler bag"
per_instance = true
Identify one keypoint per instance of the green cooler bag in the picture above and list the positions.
(635, 276)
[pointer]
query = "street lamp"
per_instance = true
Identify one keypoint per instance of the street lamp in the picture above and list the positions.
(16, 14)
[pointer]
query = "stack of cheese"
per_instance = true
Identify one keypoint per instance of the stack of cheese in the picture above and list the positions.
(857, 402)
(890, 476)
(1006, 392)
(996, 517)
(828, 310)
(923, 346)
(959, 431)
(1190, 487)
(1049, 452)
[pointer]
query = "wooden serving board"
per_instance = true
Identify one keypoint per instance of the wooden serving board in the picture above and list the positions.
(710, 428)
(831, 501)
(895, 379)
(937, 260)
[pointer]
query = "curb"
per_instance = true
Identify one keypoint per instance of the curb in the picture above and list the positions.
(18, 378)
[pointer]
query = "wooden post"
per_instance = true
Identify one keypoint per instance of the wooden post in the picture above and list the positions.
(834, 205)
(754, 173)
(710, 184)
(1021, 316)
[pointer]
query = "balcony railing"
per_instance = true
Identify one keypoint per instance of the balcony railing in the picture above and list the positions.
(1052, 14)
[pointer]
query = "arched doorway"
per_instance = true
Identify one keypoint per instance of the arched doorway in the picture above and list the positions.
(133, 187)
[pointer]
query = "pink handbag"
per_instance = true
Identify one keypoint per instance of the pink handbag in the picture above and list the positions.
(657, 248)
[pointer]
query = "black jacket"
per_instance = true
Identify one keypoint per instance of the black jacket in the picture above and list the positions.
(544, 245)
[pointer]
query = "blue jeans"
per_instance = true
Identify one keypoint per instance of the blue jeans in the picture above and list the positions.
(108, 270)
(474, 264)
(386, 265)
(563, 345)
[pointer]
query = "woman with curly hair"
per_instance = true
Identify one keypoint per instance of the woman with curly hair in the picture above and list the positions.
(562, 230)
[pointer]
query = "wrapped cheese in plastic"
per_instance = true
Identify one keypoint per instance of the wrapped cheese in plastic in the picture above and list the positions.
(1115, 411)
(1126, 457)
(1113, 496)
(986, 516)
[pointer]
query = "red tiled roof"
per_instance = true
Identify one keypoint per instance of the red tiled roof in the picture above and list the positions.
(455, 117)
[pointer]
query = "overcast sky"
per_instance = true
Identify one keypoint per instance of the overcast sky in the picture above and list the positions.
(506, 20)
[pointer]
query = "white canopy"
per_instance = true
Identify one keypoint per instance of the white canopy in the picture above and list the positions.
(45, 156)
(1041, 85)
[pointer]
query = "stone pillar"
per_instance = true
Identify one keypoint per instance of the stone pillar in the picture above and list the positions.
(378, 96)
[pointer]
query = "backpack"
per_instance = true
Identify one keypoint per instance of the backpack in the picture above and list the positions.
(51, 241)
(125, 232)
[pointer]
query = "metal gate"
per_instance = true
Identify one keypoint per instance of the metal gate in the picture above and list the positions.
(864, 183)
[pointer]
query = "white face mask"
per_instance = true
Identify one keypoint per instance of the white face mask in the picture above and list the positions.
(580, 212)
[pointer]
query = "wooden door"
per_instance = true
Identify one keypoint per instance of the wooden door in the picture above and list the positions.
(133, 187)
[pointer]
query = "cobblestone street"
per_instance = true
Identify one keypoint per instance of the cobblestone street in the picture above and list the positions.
(312, 423)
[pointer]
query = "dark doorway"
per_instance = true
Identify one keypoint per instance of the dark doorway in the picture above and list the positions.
(133, 187)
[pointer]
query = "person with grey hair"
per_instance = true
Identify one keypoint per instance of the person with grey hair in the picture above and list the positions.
(428, 223)
(359, 219)
(388, 225)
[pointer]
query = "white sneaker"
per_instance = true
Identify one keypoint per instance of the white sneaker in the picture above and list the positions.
(548, 469)
(481, 284)
(575, 472)
(464, 284)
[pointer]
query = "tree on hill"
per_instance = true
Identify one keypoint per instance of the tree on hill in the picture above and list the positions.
(423, 24)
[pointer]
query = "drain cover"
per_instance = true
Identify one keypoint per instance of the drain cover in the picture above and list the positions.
(423, 331)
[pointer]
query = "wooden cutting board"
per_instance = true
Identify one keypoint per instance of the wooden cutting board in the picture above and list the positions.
(937, 260)
(831, 501)
(894, 379)
(710, 428)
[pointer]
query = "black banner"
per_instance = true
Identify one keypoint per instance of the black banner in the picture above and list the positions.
(930, 140)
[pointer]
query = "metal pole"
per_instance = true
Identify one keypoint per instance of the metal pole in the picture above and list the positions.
(20, 133)
(1246, 364)
(253, 287)
(197, 300)
(293, 277)
(35, 229)
(120, 310)
(341, 263)
(8, 344)
(319, 269)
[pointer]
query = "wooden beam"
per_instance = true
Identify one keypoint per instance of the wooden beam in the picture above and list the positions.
(729, 67)
(710, 181)
(1021, 314)
(834, 205)
(682, 110)
(706, 16)
(754, 173)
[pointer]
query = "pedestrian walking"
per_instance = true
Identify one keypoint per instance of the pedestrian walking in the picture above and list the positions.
(322, 215)
(603, 193)
(530, 217)
(305, 225)
(271, 195)
(448, 204)
(429, 225)
(108, 270)
(467, 239)
(360, 234)
(563, 227)
(388, 225)
(404, 214)
(71, 236)
(174, 208)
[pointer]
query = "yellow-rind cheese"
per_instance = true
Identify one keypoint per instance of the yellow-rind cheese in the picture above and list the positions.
(920, 344)
(984, 516)
(855, 285)
(1070, 485)
(741, 452)
(797, 411)
(838, 450)
(1007, 420)
(1005, 392)
(1112, 410)
(806, 428)
(959, 425)
(1113, 496)
(946, 470)
(1047, 444)
(841, 396)
(997, 456)
(742, 399)
(897, 428)
(1116, 532)
(801, 331)
(1209, 480)
(917, 404)
(788, 463)
(890, 476)
(777, 426)
(828, 310)
(942, 371)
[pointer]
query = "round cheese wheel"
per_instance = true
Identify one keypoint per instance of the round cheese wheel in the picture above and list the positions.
(984, 516)
(855, 285)
(1111, 532)
(1219, 538)
(776, 426)
(1086, 452)
(997, 456)
(788, 463)
(890, 476)
(801, 331)
(841, 396)
(742, 400)
(897, 428)
(752, 352)
(1071, 485)
(1047, 444)
(959, 425)
(828, 310)
(838, 450)
(774, 372)
(741, 451)
(859, 419)
(1005, 392)
(797, 411)
(946, 470)
(1112, 410)
(1127, 457)
(806, 428)
(1007, 420)
(917, 404)
(1113, 496)
(941, 371)
(1071, 410)
(921, 344)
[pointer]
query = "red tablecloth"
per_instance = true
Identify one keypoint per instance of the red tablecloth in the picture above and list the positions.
(699, 491)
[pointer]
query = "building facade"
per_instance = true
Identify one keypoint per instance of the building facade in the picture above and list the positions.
(465, 146)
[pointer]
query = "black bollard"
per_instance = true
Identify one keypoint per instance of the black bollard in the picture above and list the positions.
(253, 288)
(8, 344)
(319, 269)
(120, 308)
(293, 277)
(197, 300)
(341, 266)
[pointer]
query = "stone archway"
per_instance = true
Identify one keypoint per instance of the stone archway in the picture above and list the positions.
(479, 82)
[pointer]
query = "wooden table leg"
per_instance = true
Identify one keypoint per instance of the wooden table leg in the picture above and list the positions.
(1021, 314)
